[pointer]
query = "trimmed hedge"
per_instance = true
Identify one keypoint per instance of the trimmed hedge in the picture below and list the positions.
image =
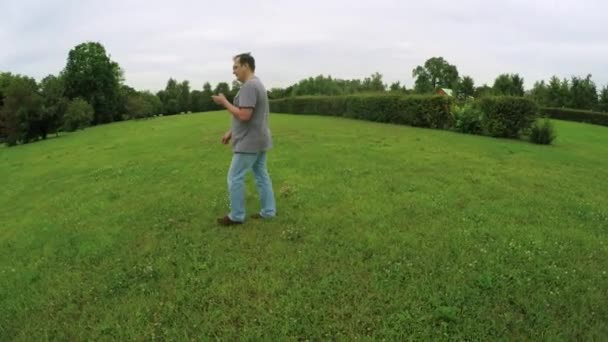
(417, 110)
(507, 116)
(577, 115)
(497, 116)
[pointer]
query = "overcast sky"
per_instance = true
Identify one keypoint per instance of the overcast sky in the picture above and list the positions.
(195, 40)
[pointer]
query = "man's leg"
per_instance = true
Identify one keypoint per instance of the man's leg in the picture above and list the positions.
(241, 163)
(264, 183)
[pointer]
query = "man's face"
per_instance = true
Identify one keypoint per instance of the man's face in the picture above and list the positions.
(239, 70)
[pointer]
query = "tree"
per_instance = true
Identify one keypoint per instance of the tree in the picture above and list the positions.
(153, 100)
(436, 73)
(583, 93)
(397, 88)
(277, 93)
(79, 115)
(347, 86)
(5, 80)
(540, 93)
(55, 104)
(197, 101)
(138, 107)
(236, 86)
(93, 76)
(482, 91)
(564, 92)
(373, 83)
(234, 89)
(319, 85)
(603, 102)
(554, 98)
(509, 85)
(558, 92)
(466, 87)
(125, 92)
(423, 84)
(208, 103)
(183, 97)
(22, 110)
(169, 97)
(222, 88)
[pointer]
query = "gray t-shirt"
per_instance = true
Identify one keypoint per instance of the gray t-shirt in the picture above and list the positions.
(254, 135)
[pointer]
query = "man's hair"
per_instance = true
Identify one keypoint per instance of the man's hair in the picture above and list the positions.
(246, 58)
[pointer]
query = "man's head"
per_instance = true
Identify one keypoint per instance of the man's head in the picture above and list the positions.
(244, 66)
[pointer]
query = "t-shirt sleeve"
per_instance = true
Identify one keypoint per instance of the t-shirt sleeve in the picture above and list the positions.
(248, 96)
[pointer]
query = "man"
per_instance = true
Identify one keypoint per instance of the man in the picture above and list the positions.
(250, 140)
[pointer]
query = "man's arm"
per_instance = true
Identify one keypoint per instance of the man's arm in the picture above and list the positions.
(243, 114)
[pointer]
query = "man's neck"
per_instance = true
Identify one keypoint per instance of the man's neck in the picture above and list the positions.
(252, 75)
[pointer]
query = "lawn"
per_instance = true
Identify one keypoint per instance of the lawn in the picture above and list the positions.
(383, 231)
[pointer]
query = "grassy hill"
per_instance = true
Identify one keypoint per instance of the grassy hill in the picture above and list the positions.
(383, 231)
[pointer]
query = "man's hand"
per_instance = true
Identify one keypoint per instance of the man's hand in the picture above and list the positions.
(220, 99)
(226, 138)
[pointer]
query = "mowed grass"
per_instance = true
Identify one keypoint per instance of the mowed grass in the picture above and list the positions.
(383, 231)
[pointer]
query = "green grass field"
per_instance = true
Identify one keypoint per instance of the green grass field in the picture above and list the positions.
(383, 231)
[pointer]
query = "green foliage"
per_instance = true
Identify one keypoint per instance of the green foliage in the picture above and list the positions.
(483, 91)
(416, 110)
(197, 101)
(558, 93)
(154, 101)
(436, 73)
(539, 93)
(542, 132)
(465, 88)
(373, 83)
(5, 80)
(397, 88)
(79, 115)
(603, 100)
(328, 86)
(596, 118)
(576, 93)
(319, 85)
(509, 85)
(278, 93)
(506, 116)
(583, 93)
(52, 89)
(142, 105)
(207, 102)
(91, 75)
(169, 97)
(183, 98)
(467, 118)
(22, 113)
(222, 88)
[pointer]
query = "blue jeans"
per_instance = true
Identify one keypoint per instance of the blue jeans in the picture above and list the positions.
(241, 164)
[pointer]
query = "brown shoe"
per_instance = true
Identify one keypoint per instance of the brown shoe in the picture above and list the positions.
(226, 221)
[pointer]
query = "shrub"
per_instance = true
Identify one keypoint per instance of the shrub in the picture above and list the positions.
(467, 118)
(542, 132)
(507, 116)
